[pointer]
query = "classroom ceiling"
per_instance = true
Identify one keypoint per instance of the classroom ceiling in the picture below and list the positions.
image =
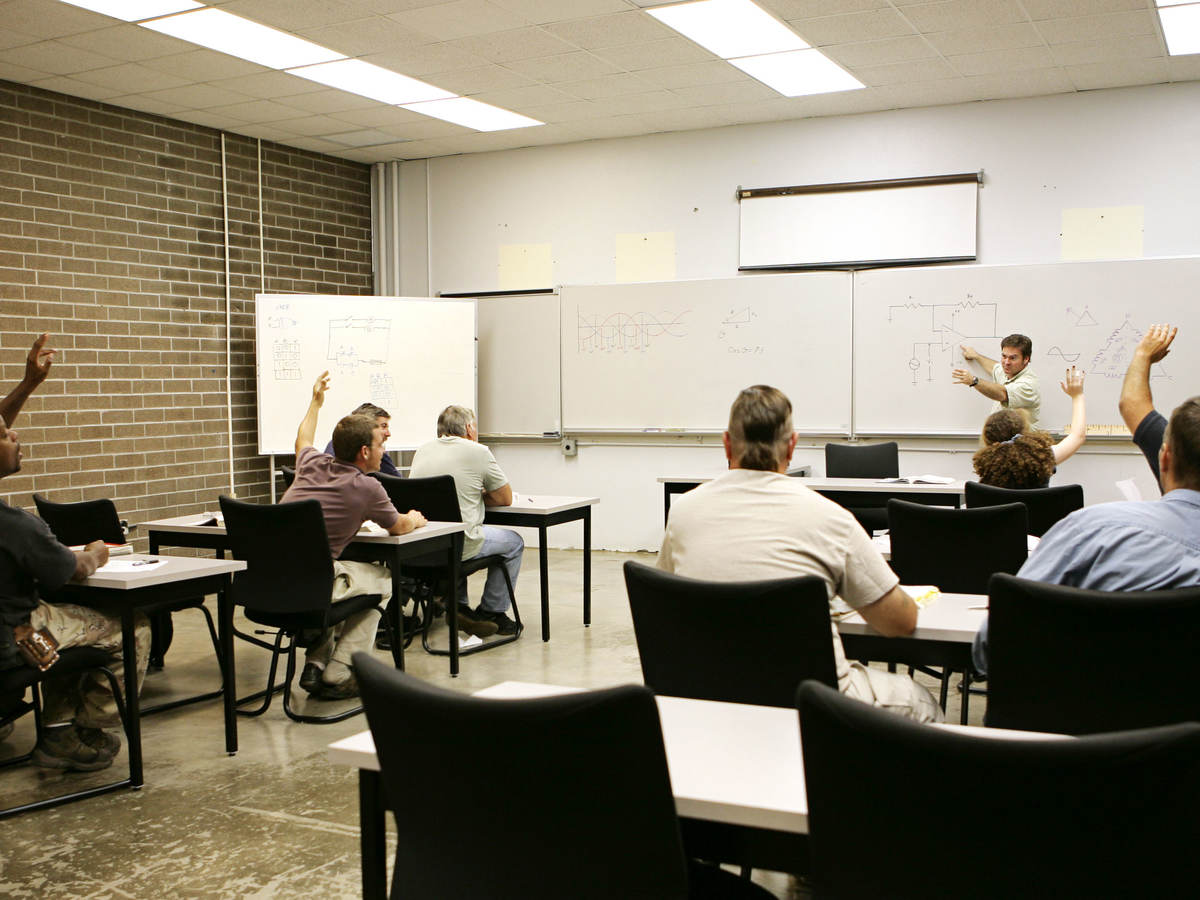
(588, 68)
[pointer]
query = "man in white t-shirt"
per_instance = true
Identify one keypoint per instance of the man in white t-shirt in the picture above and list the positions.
(755, 523)
(1013, 384)
(480, 483)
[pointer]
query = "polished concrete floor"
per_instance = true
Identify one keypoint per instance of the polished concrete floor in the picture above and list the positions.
(277, 820)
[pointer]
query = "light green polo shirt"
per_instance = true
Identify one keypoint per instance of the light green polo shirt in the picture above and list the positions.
(1024, 392)
(475, 471)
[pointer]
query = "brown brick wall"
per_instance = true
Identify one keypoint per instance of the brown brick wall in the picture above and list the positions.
(112, 238)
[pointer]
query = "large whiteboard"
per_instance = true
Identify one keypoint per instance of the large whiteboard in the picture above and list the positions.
(518, 365)
(673, 355)
(412, 356)
(910, 323)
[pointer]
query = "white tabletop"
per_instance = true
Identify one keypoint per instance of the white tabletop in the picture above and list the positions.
(949, 617)
(544, 504)
(193, 524)
(139, 570)
(821, 483)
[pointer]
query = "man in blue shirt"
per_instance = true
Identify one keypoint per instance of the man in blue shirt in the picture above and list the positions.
(1140, 546)
(381, 417)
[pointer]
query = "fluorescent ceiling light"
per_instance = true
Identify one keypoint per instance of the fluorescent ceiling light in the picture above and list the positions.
(1181, 28)
(227, 33)
(729, 28)
(798, 73)
(473, 114)
(372, 81)
(135, 10)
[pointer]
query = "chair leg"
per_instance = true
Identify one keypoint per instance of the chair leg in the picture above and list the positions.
(287, 697)
(271, 689)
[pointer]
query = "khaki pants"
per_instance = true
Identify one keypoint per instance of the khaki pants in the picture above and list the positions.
(891, 691)
(86, 698)
(352, 579)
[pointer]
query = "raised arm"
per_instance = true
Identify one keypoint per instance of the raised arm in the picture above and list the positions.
(37, 367)
(1136, 402)
(308, 425)
(1073, 388)
(993, 390)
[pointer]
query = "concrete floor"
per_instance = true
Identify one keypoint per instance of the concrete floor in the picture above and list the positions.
(277, 820)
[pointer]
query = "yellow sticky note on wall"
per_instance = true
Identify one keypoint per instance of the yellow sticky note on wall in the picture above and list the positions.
(645, 256)
(525, 267)
(1103, 232)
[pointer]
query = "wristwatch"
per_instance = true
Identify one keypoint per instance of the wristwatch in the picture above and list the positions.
(975, 382)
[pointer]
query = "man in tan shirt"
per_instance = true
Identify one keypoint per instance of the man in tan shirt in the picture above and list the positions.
(755, 523)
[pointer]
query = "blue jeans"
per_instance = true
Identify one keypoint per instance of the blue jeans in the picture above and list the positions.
(510, 546)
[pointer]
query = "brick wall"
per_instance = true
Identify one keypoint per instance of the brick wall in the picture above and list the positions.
(112, 238)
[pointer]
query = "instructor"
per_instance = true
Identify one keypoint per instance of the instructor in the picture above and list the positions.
(1013, 384)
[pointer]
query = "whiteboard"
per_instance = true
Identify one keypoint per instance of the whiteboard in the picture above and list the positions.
(910, 323)
(899, 224)
(674, 354)
(412, 356)
(518, 365)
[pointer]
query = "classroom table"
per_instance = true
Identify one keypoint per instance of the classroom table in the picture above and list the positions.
(193, 531)
(158, 582)
(883, 543)
(943, 637)
(681, 484)
(731, 764)
(540, 511)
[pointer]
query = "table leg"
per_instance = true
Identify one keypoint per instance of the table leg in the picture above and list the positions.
(228, 675)
(966, 695)
(452, 602)
(666, 503)
(587, 567)
(396, 609)
(132, 708)
(371, 815)
(544, 573)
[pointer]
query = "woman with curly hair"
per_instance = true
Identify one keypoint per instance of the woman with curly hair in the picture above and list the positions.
(1015, 456)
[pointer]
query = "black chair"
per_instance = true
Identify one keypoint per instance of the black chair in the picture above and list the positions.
(289, 475)
(16, 682)
(1078, 661)
(287, 585)
(97, 520)
(863, 461)
(598, 815)
(1045, 505)
(741, 642)
(437, 499)
(1107, 816)
(958, 550)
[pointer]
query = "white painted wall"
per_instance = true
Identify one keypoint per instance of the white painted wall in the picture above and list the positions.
(1127, 147)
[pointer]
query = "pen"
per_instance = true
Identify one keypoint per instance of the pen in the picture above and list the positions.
(146, 562)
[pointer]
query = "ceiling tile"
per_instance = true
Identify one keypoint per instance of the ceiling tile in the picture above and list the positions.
(379, 117)
(612, 127)
(571, 111)
(607, 86)
(482, 78)
(460, 19)
(1145, 47)
(1088, 28)
(364, 137)
(880, 53)
(713, 72)
(899, 73)
(293, 15)
(520, 43)
(930, 93)
(315, 144)
(521, 97)
(13, 72)
(12, 38)
(1184, 68)
(312, 125)
(426, 59)
(377, 34)
(655, 54)
(863, 26)
(404, 150)
(423, 128)
(55, 58)
(564, 67)
(746, 91)
(613, 30)
(632, 104)
(131, 78)
(49, 19)
(270, 85)
(64, 84)
(197, 96)
(205, 65)
(1021, 84)
(1068, 9)
(811, 9)
(1092, 76)
(154, 105)
(205, 118)
(954, 15)
(978, 40)
(128, 43)
(329, 101)
(258, 111)
(541, 12)
(995, 61)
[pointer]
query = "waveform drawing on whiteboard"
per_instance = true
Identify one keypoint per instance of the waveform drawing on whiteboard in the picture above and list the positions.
(285, 360)
(1081, 318)
(1059, 353)
(937, 329)
(628, 331)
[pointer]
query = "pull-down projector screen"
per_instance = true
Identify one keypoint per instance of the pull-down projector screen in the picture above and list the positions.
(900, 222)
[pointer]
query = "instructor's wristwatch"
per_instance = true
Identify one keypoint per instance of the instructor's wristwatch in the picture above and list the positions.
(975, 382)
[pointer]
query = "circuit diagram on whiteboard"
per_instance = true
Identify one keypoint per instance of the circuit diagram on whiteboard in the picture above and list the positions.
(358, 340)
(939, 329)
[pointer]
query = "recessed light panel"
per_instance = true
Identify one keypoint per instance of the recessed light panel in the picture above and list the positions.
(368, 80)
(136, 10)
(798, 73)
(227, 33)
(473, 114)
(1181, 28)
(729, 28)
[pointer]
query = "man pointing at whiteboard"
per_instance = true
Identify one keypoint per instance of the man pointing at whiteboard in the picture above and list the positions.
(1013, 385)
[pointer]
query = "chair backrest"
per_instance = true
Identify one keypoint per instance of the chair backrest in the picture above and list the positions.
(741, 642)
(289, 475)
(1046, 505)
(862, 460)
(956, 549)
(289, 573)
(82, 522)
(598, 814)
(1079, 662)
(1110, 815)
(436, 498)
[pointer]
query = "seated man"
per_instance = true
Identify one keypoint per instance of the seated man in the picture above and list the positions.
(382, 417)
(348, 497)
(1139, 546)
(755, 523)
(480, 483)
(1145, 423)
(32, 562)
